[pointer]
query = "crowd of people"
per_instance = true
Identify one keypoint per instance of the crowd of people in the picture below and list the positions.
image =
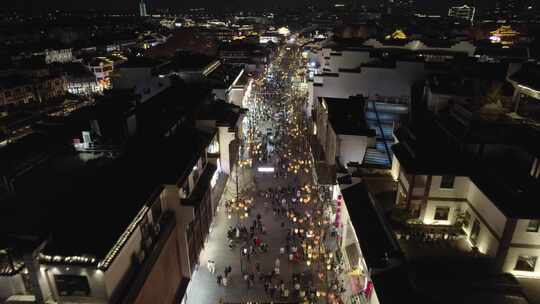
(306, 264)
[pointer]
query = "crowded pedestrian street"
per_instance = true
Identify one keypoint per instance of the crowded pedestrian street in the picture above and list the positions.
(274, 237)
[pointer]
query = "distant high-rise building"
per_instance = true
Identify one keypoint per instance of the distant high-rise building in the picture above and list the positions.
(142, 8)
(462, 12)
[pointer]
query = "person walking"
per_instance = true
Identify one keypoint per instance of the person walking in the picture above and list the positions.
(219, 279)
(258, 267)
(266, 286)
(272, 290)
(212, 267)
(246, 279)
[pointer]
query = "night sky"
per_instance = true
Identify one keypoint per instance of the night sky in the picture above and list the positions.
(40, 5)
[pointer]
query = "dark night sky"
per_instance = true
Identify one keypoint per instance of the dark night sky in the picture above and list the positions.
(39, 5)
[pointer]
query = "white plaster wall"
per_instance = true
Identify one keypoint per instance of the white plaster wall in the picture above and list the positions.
(185, 216)
(487, 209)
(429, 212)
(11, 285)
(374, 298)
(419, 185)
(141, 80)
(95, 279)
(236, 96)
(486, 242)
(47, 287)
(394, 171)
(322, 123)
(372, 81)
(170, 198)
(437, 102)
(511, 259)
(225, 138)
(122, 262)
(330, 148)
(462, 46)
(352, 148)
(311, 98)
(522, 236)
(220, 93)
(460, 190)
(404, 180)
(348, 60)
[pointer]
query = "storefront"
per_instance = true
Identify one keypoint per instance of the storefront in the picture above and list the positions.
(358, 276)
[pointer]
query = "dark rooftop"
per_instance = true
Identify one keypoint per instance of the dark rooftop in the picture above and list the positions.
(375, 240)
(203, 184)
(393, 286)
(421, 148)
(347, 116)
(140, 62)
(187, 61)
(73, 70)
(497, 51)
(225, 114)
(428, 148)
(528, 76)
(12, 81)
(85, 202)
(223, 76)
(450, 85)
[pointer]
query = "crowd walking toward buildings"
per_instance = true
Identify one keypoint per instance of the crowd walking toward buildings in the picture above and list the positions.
(306, 263)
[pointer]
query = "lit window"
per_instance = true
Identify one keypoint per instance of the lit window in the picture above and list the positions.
(526, 263)
(447, 181)
(533, 226)
(441, 213)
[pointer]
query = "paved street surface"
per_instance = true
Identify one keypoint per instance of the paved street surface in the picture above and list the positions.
(296, 216)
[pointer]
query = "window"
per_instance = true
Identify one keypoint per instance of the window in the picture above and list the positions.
(72, 285)
(447, 181)
(533, 226)
(526, 263)
(441, 213)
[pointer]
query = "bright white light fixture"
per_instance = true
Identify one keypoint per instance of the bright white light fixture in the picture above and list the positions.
(265, 169)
